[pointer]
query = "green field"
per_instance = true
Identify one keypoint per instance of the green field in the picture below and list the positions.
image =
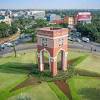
(90, 65)
(85, 88)
(37, 92)
(14, 71)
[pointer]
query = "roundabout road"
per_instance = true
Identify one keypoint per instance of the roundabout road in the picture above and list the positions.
(72, 45)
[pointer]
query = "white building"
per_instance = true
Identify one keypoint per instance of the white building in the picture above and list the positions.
(38, 14)
(2, 13)
(83, 17)
(5, 19)
(54, 17)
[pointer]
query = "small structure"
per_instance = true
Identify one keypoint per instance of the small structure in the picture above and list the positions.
(83, 17)
(52, 40)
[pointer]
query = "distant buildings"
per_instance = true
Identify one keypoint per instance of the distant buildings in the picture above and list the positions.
(69, 20)
(53, 17)
(36, 14)
(57, 21)
(28, 14)
(83, 17)
(5, 19)
(3, 12)
(80, 17)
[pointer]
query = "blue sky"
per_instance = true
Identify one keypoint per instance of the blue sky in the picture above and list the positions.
(51, 4)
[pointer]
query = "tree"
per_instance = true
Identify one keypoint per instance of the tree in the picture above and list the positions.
(40, 23)
(13, 28)
(97, 37)
(87, 30)
(4, 29)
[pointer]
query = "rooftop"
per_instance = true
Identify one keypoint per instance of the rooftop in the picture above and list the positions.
(51, 29)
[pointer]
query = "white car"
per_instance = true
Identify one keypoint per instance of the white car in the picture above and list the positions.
(85, 39)
(8, 44)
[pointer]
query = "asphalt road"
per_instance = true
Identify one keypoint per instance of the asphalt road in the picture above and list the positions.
(82, 46)
(19, 47)
(85, 46)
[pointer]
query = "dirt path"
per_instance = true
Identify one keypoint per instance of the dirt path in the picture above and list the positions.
(64, 87)
(29, 81)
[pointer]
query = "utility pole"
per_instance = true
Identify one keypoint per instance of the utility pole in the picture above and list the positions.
(14, 50)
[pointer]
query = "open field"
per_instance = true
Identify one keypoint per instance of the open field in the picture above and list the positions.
(85, 88)
(13, 71)
(90, 65)
(37, 92)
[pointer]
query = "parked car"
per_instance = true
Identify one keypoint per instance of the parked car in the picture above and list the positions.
(78, 40)
(8, 44)
(23, 36)
(15, 42)
(85, 39)
(2, 46)
(70, 38)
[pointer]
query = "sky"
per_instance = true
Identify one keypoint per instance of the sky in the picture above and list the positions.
(50, 4)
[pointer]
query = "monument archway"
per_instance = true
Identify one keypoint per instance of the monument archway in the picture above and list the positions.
(52, 40)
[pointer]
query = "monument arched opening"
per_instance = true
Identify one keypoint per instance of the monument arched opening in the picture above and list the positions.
(60, 60)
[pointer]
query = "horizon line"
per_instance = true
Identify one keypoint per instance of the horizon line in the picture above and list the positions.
(50, 8)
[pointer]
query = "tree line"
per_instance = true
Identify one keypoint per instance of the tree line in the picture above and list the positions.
(92, 30)
(7, 30)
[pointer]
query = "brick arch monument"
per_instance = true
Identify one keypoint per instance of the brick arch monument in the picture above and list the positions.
(52, 40)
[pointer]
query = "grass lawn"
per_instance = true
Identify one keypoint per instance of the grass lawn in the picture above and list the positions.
(7, 82)
(85, 88)
(13, 71)
(90, 65)
(73, 55)
(37, 92)
(59, 93)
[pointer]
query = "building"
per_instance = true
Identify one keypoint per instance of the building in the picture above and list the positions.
(5, 19)
(57, 22)
(38, 14)
(54, 17)
(83, 17)
(52, 41)
(2, 13)
(69, 20)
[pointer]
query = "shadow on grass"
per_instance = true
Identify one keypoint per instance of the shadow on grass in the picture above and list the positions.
(29, 69)
(17, 68)
(64, 87)
(28, 82)
(83, 72)
(75, 61)
(90, 93)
